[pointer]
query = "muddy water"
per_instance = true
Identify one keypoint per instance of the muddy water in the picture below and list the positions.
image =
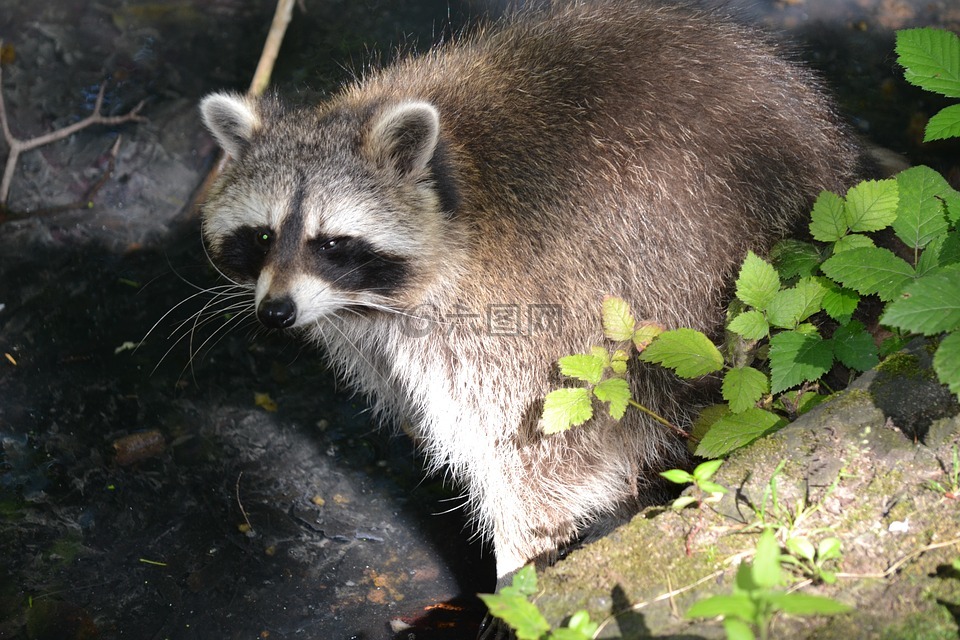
(215, 483)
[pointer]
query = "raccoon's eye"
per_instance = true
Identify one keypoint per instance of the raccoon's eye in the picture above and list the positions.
(330, 244)
(262, 237)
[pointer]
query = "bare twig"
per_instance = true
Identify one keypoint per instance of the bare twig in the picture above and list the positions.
(18, 146)
(86, 202)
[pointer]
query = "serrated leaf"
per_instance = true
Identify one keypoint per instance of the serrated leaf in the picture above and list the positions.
(946, 362)
(765, 567)
(587, 367)
(705, 470)
(931, 58)
(793, 258)
(565, 408)
(751, 325)
(688, 352)
(518, 612)
(797, 358)
(736, 430)
(811, 292)
(854, 347)
(805, 604)
(871, 205)
(785, 308)
(952, 200)
(743, 387)
(852, 241)
(707, 417)
(930, 305)
(645, 333)
(618, 321)
(739, 605)
(943, 124)
(840, 302)
(678, 476)
(869, 270)
(615, 391)
(827, 220)
(920, 212)
(758, 282)
(618, 363)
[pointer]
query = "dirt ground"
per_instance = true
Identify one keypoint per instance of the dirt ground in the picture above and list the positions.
(214, 482)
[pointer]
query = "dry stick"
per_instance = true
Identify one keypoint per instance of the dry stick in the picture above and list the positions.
(271, 48)
(18, 146)
(261, 78)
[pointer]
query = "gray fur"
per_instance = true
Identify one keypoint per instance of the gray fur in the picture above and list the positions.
(598, 148)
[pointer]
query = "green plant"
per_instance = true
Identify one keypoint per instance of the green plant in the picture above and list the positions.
(512, 605)
(792, 319)
(757, 596)
(952, 490)
(707, 490)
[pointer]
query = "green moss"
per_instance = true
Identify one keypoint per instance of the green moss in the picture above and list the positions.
(934, 623)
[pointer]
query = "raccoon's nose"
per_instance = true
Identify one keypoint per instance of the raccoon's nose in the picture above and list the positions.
(277, 313)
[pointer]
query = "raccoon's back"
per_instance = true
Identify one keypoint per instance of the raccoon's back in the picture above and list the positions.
(660, 142)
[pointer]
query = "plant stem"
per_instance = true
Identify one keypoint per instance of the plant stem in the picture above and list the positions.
(636, 405)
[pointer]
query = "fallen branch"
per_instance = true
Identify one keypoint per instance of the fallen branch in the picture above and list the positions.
(18, 146)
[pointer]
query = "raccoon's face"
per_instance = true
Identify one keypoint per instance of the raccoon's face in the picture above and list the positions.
(325, 211)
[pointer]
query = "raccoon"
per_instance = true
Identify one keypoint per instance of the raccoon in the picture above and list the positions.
(447, 227)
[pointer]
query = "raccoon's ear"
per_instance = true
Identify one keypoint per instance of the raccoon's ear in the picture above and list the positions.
(232, 119)
(404, 137)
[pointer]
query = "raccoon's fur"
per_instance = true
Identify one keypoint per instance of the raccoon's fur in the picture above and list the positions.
(448, 226)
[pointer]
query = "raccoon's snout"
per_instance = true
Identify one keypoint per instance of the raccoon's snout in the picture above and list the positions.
(277, 313)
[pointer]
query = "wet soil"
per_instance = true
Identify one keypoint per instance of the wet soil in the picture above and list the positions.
(215, 482)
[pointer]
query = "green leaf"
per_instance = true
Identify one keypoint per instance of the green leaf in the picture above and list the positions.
(688, 352)
(743, 387)
(829, 549)
(802, 548)
(827, 221)
(840, 302)
(682, 502)
(944, 124)
(738, 629)
(565, 408)
(854, 347)
(796, 358)
(705, 470)
(871, 205)
(751, 325)
(785, 308)
(616, 391)
(583, 366)
(930, 305)
(946, 362)
(931, 58)
(804, 604)
(811, 290)
(524, 582)
(581, 623)
(737, 605)
(678, 476)
(645, 333)
(705, 420)
(920, 213)
(765, 568)
(518, 612)
(758, 282)
(618, 322)
(870, 270)
(736, 430)
(618, 363)
(794, 258)
(852, 241)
